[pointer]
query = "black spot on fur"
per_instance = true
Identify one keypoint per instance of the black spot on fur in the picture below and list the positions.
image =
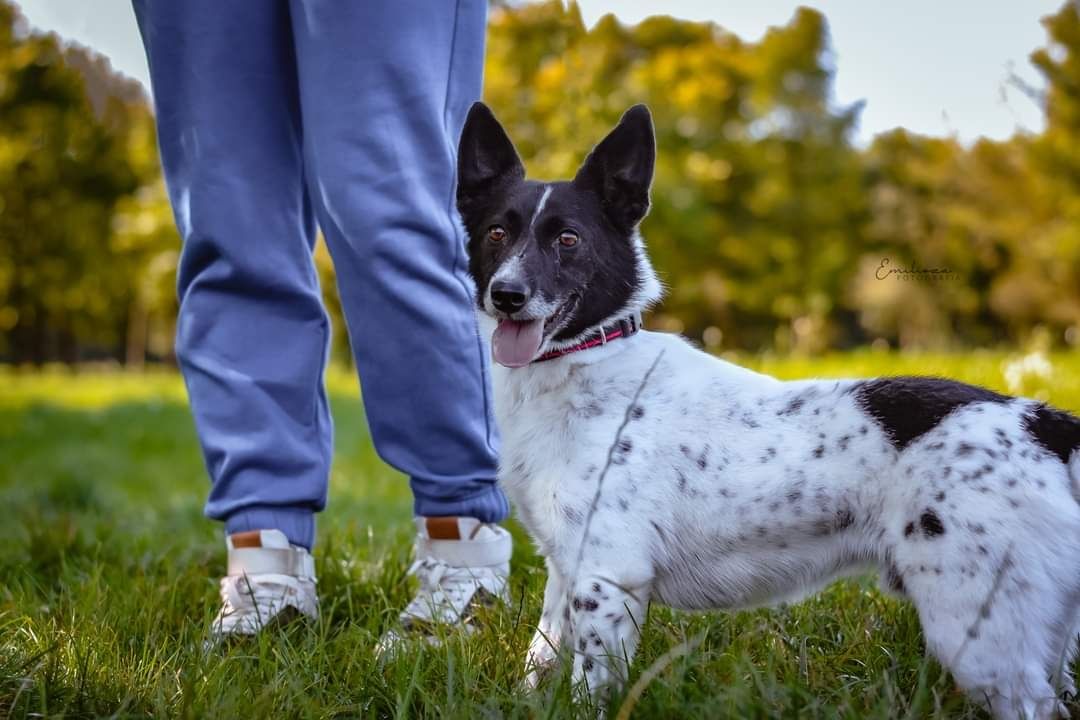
(931, 524)
(703, 459)
(844, 519)
(592, 410)
(622, 450)
(586, 604)
(940, 497)
(796, 403)
(792, 407)
(909, 529)
(819, 451)
(908, 407)
(1057, 431)
(964, 449)
(638, 412)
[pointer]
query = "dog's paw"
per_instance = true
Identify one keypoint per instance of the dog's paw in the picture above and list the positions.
(539, 661)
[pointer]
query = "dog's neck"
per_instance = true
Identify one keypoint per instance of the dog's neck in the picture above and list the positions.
(516, 386)
(618, 330)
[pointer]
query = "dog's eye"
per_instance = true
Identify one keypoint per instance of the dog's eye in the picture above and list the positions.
(496, 234)
(568, 238)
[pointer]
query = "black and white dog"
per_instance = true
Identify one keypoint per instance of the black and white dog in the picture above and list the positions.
(645, 469)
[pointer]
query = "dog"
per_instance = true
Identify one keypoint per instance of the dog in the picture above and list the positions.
(647, 470)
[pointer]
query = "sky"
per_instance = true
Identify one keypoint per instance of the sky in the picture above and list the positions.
(938, 67)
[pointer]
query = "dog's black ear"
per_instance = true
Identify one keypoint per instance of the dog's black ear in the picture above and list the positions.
(620, 169)
(487, 160)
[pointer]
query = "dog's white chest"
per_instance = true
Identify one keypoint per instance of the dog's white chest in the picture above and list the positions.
(552, 443)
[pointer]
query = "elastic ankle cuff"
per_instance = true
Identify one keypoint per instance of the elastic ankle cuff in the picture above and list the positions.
(298, 524)
(489, 505)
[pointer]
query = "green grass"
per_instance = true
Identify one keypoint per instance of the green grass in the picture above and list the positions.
(108, 581)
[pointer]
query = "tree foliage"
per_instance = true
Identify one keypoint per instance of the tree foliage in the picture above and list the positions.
(771, 228)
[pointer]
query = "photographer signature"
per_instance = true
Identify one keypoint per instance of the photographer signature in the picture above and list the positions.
(914, 273)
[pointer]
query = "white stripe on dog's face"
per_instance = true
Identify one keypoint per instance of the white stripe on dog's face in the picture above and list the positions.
(540, 206)
(513, 269)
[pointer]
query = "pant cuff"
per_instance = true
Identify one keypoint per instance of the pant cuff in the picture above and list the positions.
(488, 505)
(298, 524)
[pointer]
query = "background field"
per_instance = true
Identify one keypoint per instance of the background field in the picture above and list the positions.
(108, 582)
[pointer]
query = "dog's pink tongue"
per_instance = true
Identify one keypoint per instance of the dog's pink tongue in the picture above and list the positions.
(515, 344)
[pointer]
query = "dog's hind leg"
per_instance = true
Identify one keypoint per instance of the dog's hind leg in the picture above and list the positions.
(606, 616)
(554, 619)
(995, 625)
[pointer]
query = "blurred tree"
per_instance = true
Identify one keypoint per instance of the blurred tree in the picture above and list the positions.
(757, 203)
(768, 226)
(65, 163)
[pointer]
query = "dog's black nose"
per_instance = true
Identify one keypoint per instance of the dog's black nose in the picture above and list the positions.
(509, 296)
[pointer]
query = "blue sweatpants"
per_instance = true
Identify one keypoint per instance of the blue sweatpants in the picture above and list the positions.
(275, 115)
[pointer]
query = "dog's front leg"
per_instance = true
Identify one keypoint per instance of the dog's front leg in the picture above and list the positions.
(605, 622)
(544, 648)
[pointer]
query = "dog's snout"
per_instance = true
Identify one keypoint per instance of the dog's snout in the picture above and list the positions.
(509, 296)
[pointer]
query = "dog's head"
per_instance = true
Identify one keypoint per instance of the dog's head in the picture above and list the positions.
(555, 261)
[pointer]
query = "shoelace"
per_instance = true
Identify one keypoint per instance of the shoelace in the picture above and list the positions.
(265, 596)
(431, 572)
(440, 583)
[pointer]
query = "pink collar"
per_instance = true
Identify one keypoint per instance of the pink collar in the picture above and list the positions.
(621, 329)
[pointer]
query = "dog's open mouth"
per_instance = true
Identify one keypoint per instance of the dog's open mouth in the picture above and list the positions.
(516, 343)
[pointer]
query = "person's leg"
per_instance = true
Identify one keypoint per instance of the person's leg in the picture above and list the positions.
(384, 90)
(252, 333)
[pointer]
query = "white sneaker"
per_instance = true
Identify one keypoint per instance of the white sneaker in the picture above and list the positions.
(268, 581)
(462, 564)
